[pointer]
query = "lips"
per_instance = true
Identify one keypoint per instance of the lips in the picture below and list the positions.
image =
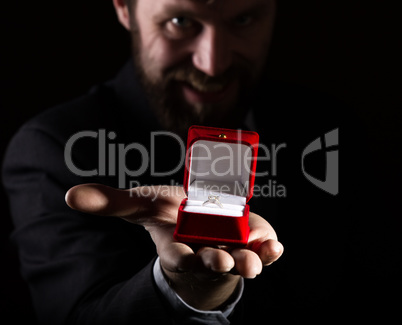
(207, 93)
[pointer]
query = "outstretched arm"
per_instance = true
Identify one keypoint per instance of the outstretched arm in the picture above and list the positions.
(205, 278)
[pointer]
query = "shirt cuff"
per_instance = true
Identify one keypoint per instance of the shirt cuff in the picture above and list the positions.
(185, 311)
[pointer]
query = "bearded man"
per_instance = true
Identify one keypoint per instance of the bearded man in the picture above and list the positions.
(108, 255)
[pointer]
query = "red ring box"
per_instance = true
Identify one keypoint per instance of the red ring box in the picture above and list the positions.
(220, 163)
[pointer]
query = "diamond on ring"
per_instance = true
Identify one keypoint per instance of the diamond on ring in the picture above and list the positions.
(213, 199)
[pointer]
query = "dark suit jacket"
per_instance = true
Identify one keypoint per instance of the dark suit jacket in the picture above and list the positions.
(98, 270)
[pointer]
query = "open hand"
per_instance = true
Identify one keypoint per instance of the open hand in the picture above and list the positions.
(211, 271)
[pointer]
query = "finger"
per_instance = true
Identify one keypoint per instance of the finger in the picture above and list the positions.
(137, 203)
(263, 240)
(174, 256)
(177, 257)
(216, 260)
(269, 251)
(260, 229)
(247, 263)
(100, 199)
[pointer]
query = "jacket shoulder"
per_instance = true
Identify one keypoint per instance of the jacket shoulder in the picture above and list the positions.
(89, 111)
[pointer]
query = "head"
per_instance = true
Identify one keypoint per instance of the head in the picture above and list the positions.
(199, 60)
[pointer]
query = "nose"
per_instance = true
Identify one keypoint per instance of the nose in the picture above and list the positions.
(212, 54)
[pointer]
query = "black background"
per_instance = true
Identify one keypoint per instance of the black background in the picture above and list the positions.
(53, 51)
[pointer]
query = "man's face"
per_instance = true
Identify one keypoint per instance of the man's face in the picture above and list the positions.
(200, 61)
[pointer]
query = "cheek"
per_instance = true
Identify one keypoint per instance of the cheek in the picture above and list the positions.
(159, 55)
(151, 55)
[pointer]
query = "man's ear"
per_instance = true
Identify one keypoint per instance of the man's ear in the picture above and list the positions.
(123, 13)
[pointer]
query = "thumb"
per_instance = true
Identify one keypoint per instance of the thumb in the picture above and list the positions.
(102, 200)
(136, 205)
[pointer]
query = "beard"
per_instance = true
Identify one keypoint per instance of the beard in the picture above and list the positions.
(174, 113)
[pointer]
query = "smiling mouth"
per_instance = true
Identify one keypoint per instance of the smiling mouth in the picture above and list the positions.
(202, 85)
(206, 93)
(207, 87)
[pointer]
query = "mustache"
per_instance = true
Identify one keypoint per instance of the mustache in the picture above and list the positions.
(198, 79)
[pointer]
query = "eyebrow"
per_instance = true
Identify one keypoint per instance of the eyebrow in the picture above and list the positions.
(173, 10)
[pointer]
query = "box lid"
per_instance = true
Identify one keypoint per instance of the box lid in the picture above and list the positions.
(221, 161)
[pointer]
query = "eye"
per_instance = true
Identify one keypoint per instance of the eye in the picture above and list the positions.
(243, 20)
(182, 22)
(181, 27)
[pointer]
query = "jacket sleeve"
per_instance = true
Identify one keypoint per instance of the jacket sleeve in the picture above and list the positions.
(81, 269)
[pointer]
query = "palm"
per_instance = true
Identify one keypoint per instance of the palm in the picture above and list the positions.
(156, 208)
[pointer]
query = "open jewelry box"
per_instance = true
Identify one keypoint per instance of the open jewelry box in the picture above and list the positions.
(219, 181)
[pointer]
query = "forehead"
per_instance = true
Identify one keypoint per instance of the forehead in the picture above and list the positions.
(201, 7)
